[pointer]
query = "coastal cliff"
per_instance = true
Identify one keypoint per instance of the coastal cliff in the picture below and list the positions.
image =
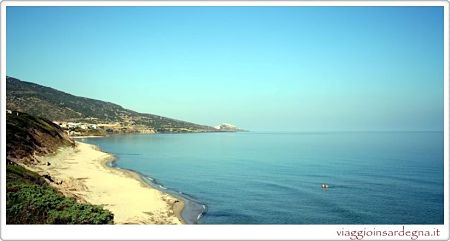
(28, 136)
(30, 198)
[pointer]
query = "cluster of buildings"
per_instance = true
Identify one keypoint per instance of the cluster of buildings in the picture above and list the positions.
(226, 127)
(75, 125)
(75, 128)
(82, 128)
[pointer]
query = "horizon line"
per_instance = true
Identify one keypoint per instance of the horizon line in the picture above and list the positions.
(337, 131)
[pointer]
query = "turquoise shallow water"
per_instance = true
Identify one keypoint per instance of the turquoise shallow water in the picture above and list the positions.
(275, 178)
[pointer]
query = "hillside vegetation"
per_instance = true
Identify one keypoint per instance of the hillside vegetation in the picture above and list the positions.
(53, 104)
(27, 135)
(29, 197)
(30, 200)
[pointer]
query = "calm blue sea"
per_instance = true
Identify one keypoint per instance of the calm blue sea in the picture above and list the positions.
(275, 178)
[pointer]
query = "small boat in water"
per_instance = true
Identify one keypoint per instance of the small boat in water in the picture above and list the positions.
(324, 186)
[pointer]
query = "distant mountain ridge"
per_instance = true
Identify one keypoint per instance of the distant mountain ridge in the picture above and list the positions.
(56, 105)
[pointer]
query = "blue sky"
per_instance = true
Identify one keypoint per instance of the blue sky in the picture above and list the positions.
(262, 68)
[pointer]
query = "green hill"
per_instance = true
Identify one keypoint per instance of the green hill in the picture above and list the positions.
(55, 105)
(27, 135)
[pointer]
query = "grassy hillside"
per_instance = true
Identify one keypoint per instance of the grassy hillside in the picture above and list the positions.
(27, 135)
(29, 199)
(52, 104)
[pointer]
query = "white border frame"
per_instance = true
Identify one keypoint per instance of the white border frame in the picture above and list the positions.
(208, 232)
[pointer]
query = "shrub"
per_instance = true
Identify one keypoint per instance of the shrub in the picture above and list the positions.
(30, 200)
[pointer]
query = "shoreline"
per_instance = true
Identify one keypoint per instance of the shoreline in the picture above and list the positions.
(177, 207)
(81, 137)
(189, 210)
(192, 209)
(84, 172)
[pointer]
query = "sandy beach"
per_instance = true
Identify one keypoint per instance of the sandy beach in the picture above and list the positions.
(82, 172)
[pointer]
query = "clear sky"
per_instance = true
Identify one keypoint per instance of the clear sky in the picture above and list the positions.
(261, 68)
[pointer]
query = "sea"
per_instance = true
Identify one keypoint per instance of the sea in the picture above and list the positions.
(277, 177)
